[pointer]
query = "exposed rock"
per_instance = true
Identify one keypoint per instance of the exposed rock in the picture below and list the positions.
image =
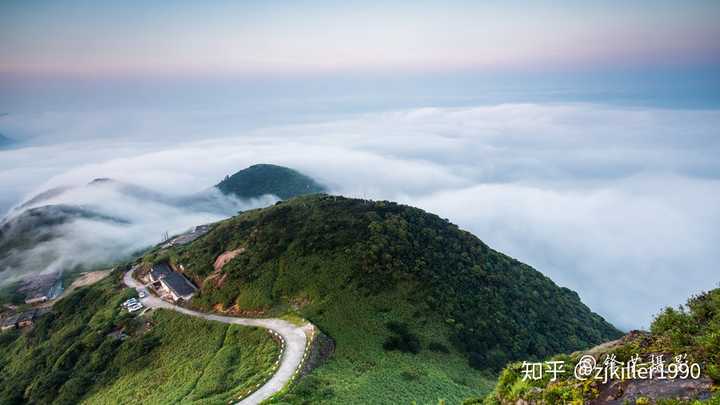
(606, 347)
(629, 391)
(224, 258)
(322, 348)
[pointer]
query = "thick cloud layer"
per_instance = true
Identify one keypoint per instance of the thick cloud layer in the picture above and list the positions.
(620, 204)
(100, 223)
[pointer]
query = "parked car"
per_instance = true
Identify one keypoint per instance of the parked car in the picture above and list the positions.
(135, 307)
(131, 301)
(142, 294)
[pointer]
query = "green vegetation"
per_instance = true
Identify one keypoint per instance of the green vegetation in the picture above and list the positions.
(693, 330)
(258, 180)
(71, 355)
(208, 363)
(69, 276)
(361, 371)
(9, 294)
(419, 309)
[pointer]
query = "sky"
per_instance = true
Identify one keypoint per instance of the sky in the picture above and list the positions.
(313, 58)
(276, 38)
(578, 137)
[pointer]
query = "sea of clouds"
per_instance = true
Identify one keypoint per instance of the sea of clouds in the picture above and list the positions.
(620, 204)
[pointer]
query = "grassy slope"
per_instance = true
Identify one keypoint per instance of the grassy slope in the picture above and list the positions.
(354, 268)
(10, 295)
(67, 358)
(361, 372)
(693, 330)
(258, 180)
(207, 363)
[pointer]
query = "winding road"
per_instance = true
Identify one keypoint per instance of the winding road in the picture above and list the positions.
(294, 337)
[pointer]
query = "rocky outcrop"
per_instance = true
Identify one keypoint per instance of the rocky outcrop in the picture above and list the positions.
(651, 391)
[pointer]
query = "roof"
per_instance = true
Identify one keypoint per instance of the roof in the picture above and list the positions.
(10, 321)
(178, 284)
(26, 316)
(160, 270)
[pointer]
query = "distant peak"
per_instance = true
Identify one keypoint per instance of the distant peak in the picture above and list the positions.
(262, 178)
(101, 180)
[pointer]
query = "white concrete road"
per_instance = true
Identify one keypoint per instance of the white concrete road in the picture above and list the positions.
(293, 335)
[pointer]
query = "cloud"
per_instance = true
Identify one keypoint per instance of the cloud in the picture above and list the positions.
(628, 249)
(109, 221)
(620, 204)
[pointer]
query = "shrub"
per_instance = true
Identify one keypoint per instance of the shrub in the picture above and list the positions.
(438, 347)
(402, 339)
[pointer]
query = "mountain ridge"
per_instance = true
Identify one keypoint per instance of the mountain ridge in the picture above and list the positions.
(382, 278)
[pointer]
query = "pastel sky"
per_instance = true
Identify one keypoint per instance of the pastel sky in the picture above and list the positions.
(131, 38)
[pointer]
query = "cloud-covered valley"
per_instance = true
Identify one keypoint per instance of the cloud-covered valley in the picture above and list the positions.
(620, 204)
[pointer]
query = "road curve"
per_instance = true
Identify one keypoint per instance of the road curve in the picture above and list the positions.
(293, 335)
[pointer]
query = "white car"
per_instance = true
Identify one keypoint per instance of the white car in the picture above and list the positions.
(142, 294)
(135, 307)
(131, 301)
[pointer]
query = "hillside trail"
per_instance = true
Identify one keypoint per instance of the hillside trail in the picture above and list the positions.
(294, 339)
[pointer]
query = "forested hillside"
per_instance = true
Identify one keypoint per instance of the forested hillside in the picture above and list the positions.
(261, 179)
(383, 278)
(692, 330)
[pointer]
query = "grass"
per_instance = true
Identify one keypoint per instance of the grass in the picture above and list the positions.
(68, 277)
(10, 295)
(692, 330)
(69, 357)
(419, 310)
(361, 371)
(294, 319)
(196, 362)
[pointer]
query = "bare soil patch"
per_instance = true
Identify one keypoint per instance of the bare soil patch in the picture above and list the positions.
(86, 279)
(224, 258)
